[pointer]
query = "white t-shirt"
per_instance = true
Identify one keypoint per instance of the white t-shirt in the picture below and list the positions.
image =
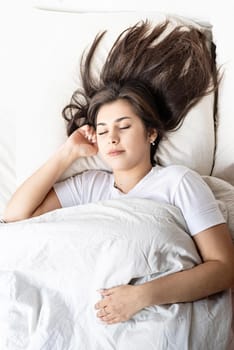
(175, 185)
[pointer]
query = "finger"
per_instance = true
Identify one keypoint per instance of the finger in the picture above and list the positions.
(84, 127)
(103, 313)
(86, 130)
(106, 292)
(112, 320)
(94, 138)
(101, 304)
(97, 306)
(90, 129)
(91, 135)
(88, 135)
(108, 318)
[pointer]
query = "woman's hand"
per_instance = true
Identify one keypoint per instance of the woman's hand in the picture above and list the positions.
(82, 142)
(118, 304)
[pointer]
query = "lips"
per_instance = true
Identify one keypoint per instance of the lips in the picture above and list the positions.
(115, 153)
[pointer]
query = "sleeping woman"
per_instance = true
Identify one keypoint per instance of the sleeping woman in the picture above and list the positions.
(145, 89)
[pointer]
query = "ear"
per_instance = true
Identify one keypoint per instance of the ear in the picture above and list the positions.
(152, 134)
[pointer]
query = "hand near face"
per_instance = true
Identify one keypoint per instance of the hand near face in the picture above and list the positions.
(82, 142)
(119, 304)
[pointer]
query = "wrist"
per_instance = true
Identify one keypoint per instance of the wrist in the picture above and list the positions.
(67, 155)
(143, 295)
(63, 159)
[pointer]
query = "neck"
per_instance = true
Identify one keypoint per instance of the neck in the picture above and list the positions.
(126, 180)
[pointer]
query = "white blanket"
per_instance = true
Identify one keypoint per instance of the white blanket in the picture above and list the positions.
(52, 266)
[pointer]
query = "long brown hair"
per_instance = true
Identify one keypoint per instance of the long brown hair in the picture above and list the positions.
(166, 76)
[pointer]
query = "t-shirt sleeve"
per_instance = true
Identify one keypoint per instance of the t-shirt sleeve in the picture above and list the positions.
(69, 191)
(197, 203)
(89, 186)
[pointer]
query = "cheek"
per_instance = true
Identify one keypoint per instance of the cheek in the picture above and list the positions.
(138, 141)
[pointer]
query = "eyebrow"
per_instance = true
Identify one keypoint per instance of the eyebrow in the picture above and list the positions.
(116, 120)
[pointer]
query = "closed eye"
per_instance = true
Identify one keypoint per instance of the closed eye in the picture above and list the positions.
(106, 131)
(102, 132)
(125, 127)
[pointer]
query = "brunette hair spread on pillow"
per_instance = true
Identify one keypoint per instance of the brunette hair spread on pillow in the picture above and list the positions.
(171, 74)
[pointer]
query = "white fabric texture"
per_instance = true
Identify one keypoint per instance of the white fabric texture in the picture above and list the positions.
(175, 185)
(224, 193)
(224, 159)
(50, 276)
(7, 158)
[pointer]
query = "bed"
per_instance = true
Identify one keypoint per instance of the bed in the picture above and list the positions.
(50, 271)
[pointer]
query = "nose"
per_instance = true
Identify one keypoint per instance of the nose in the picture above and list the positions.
(113, 138)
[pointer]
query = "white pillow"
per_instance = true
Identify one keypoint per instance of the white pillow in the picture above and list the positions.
(224, 156)
(51, 76)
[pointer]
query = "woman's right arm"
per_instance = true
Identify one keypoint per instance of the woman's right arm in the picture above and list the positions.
(36, 195)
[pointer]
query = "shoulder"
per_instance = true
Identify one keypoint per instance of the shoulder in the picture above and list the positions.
(191, 190)
(176, 172)
(183, 181)
(186, 179)
(196, 201)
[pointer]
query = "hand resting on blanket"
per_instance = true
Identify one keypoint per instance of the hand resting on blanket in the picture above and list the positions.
(119, 304)
(122, 302)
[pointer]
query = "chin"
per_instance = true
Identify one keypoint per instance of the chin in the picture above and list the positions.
(118, 164)
(120, 167)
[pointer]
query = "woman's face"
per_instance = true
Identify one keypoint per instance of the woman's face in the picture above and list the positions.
(122, 139)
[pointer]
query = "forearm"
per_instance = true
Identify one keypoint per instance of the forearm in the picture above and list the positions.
(186, 286)
(34, 190)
